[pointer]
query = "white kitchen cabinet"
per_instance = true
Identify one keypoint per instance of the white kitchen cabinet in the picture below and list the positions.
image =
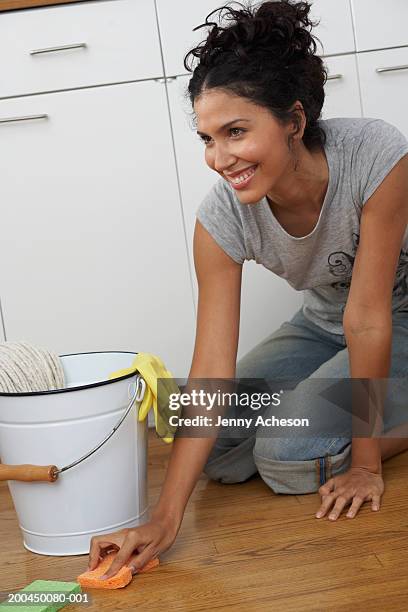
(384, 85)
(335, 29)
(196, 178)
(178, 18)
(380, 23)
(267, 300)
(2, 337)
(109, 41)
(93, 247)
(342, 95)
(176, 22)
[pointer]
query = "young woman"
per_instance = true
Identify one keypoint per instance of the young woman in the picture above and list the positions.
(321, 203)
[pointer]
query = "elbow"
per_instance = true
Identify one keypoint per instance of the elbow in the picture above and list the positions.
(367, 320)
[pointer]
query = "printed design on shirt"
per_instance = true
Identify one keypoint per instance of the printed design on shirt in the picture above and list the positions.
(341, 265)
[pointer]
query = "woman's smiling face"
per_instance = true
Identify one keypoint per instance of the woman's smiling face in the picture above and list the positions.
(244, 143)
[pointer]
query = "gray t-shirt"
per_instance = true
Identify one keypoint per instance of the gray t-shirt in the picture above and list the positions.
(360, 153)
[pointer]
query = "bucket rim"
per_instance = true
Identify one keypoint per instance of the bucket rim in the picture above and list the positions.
(79, 388)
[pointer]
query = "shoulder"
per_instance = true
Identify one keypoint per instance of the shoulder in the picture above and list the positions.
(220, 214)
(222, 190)
(222, 202)
(368, 149)
(356, 131)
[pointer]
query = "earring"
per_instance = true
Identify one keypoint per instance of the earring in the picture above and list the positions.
(295, 160)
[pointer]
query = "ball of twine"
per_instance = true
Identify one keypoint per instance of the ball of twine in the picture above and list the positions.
(25, 368)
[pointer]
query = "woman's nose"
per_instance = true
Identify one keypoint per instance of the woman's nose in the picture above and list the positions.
(223, 159)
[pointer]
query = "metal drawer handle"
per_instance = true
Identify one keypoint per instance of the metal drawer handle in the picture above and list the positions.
(27, 118)
(332, 77)
(392, 68)
(61, 48)
(165, 79)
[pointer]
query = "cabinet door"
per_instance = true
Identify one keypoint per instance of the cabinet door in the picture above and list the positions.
(178, 18)
(380, 23)
(342, 95)
(92, 229)
(384, 85)
(176, 22)
(267, 300)
(335, 29)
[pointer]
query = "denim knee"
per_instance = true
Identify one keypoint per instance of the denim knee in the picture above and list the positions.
(289, 466)
(217, 473)
(297, 448)
(233, 465)
(222, 474)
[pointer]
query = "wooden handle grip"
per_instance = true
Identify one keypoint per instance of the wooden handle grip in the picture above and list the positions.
(28, 473)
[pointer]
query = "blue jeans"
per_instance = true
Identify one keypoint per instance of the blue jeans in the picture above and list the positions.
(301, 351)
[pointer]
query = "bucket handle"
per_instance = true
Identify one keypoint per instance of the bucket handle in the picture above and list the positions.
(50, 473)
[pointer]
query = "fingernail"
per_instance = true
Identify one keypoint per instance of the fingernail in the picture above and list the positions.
(332, 517)
(318, 514)
(375, 507)
(350, 514)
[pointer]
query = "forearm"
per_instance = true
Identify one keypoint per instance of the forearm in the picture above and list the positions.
(370, 358)
(189, 454)
(187, 459)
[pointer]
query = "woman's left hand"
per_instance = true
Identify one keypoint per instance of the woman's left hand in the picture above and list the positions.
(354, 487)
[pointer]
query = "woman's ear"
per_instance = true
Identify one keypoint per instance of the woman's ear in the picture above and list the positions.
(299, 120)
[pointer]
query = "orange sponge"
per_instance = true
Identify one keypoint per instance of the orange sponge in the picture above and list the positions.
(92, 578)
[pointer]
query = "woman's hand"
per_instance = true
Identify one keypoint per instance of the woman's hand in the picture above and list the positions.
(136, 545)
(355, 486)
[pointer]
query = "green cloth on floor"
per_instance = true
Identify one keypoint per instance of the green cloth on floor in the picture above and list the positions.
(43, 586)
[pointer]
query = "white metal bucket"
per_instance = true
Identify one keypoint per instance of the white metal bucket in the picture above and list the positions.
(105, 492)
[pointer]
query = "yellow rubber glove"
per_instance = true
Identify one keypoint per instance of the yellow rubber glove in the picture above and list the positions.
(151, 369)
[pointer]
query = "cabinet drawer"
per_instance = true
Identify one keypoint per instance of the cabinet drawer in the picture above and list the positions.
(380, 24)
(111, 41)
(342, 96)
(384, 83)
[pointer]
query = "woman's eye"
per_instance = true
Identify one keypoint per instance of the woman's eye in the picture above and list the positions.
(205, 139)
(236, 131)
(233, 132)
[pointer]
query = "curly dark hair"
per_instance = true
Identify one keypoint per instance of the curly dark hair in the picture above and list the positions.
(267, 54)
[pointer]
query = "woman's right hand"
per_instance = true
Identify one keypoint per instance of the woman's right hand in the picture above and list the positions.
(136, 545)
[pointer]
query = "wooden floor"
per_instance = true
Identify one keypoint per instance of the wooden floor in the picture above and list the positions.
(241, 547)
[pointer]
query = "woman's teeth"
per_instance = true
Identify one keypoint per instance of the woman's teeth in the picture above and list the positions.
(242, 177)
